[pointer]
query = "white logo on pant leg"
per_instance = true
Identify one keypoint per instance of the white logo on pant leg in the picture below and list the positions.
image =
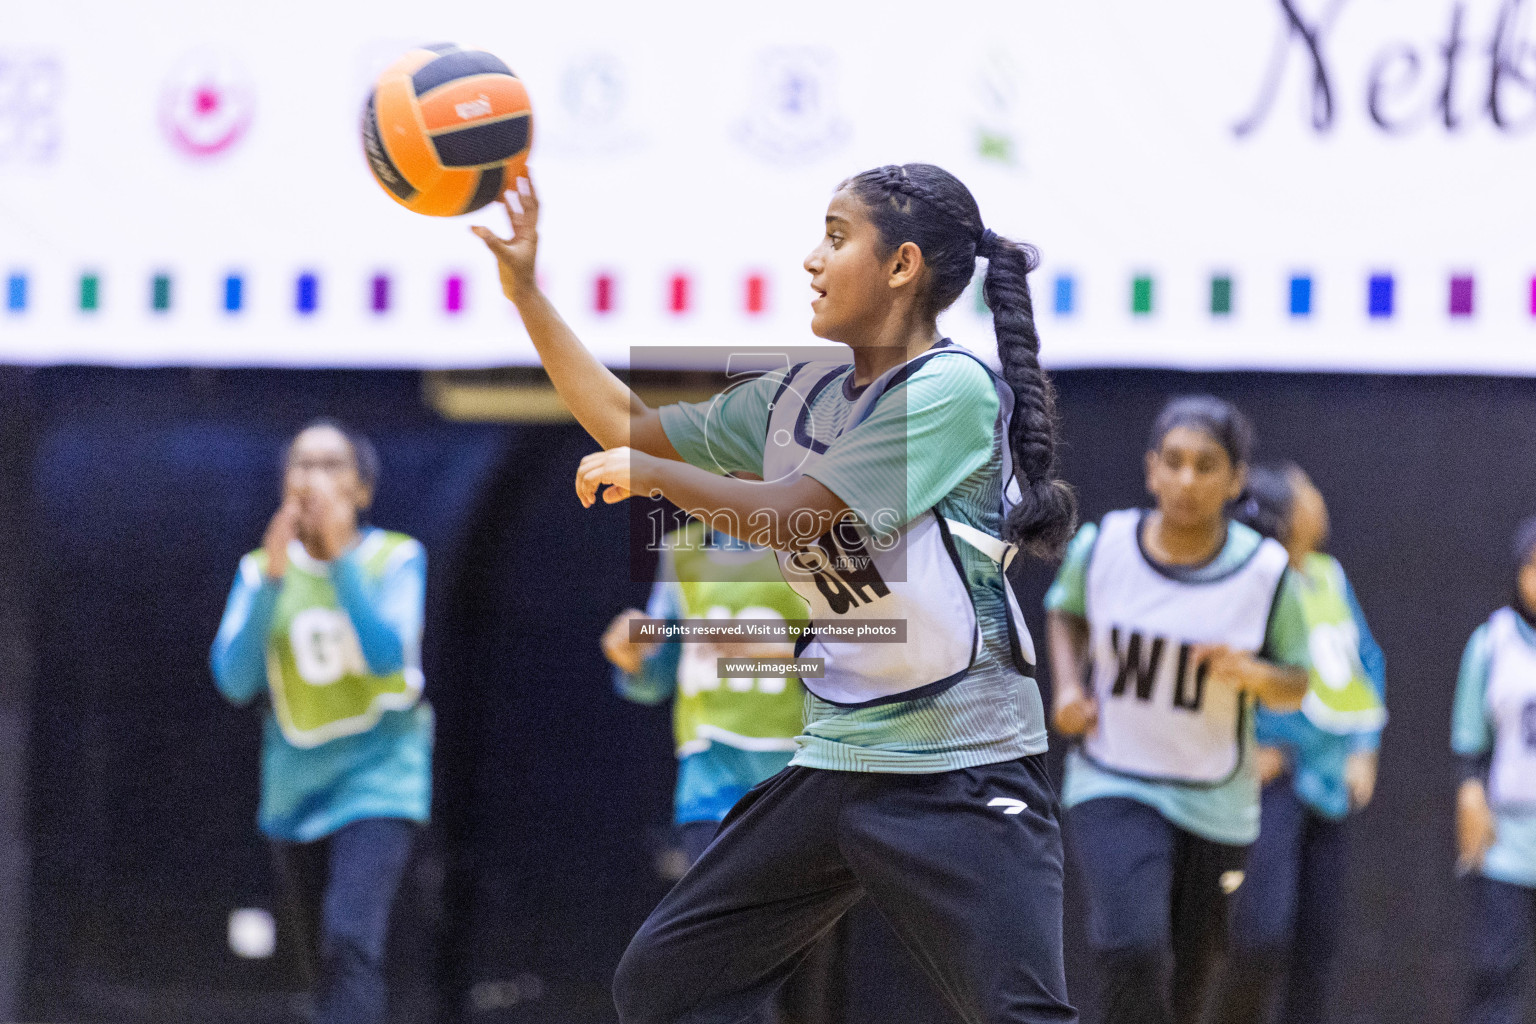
(1009, 805)
(1230, 880)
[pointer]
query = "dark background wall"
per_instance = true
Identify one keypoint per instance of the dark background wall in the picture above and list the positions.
(128, 788)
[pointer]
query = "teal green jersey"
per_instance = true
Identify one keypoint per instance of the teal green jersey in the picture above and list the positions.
(1512, 858)
(1318, 757)
(1341, 697)
(933, 442)
(1227, 813)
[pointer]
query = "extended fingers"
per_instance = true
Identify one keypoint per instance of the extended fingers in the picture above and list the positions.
(492, 241)
(514, 209)
(588, 480)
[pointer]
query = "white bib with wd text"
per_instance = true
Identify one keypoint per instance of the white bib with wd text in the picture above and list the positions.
(1159, 716)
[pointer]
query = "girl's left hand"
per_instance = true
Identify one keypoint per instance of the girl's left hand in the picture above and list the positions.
(1234, 669)
(623, 471)
(1270, 762)
(1360, 778)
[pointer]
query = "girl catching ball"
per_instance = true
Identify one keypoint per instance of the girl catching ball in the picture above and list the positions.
(919, 778)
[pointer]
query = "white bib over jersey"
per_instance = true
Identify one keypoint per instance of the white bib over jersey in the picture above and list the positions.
(1511, 703)
(913, 573)
(1158, 716)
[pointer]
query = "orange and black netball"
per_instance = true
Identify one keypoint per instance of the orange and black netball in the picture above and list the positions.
(447, 130)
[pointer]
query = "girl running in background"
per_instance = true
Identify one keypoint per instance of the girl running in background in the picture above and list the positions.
(919, 777)
(325, 620)
(1493, 732)
(1317, 766)
(1165, 627)
(731, 733)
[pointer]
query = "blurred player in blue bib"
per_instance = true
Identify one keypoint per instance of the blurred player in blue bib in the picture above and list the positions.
(1493, 732)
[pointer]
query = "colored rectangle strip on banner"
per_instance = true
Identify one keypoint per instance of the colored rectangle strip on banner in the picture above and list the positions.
(677, 294)
(1301, 295)
(1066, 294)
(603, 289)
(1221, 295)
(1141, 295)
(234, 293)
(1379, 296)
(16, 293)
(306, 294)
(1461, 295)
(160, 293)
(379, 294)
(453, 294)
(757, 294)
(90, 293)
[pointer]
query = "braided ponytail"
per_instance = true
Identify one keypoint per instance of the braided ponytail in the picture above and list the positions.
(930, 207)
(1046, 515)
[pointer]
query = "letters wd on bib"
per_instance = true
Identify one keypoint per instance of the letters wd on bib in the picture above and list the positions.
(1157, 717)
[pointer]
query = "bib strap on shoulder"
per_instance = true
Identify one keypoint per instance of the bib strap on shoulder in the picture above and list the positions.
(1020, 643)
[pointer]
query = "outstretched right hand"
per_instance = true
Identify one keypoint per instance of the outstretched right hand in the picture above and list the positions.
(281, 532)
(515, 255)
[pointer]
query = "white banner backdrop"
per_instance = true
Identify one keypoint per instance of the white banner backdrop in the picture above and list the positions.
(1313, 184)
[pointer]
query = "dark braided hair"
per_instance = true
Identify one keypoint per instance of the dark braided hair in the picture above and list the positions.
(929, 207)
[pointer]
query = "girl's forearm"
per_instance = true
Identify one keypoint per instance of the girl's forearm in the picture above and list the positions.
(1279, 687)
(1067, 638)
(776, 515)
(604, 405)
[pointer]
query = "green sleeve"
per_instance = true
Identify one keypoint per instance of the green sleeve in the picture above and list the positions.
(923, 438)
(1287, 641)
(727, 433)
(1068, 594)
(1471, 732)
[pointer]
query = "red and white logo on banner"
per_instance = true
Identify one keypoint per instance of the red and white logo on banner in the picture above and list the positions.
(207, 104)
